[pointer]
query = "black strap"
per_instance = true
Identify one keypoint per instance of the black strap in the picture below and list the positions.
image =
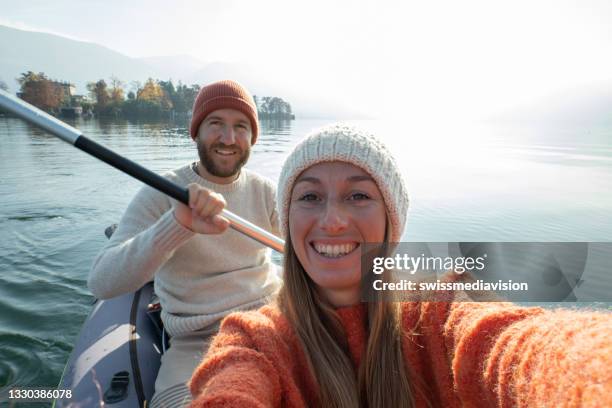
(134, 350)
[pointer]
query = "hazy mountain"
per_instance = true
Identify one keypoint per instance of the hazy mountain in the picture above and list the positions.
(64, 59)
(304, 103)
(81, 62)
(175, 67)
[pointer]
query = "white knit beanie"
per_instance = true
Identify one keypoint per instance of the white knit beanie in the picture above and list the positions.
(346, 143)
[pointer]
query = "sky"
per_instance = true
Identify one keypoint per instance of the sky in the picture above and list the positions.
(468, 58)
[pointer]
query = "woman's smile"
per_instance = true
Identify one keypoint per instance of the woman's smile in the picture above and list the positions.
(334, 250)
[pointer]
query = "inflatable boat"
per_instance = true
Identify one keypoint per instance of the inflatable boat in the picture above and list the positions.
(117, 354)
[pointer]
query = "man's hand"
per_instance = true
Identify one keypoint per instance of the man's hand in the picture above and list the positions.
(202, 215)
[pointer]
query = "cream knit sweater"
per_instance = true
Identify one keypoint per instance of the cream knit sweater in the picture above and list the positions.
(199, 278)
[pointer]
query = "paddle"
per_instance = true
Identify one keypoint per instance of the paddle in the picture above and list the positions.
(73, 136)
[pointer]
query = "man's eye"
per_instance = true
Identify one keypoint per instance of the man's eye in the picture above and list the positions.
(242, 126)
(308, 197)
(359, 196)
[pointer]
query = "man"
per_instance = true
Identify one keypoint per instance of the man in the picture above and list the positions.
(202, 270)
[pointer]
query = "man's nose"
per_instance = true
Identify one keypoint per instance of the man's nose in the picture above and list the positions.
(334, 219)
(228, 136)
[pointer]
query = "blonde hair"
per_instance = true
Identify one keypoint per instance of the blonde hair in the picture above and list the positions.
(382, 379)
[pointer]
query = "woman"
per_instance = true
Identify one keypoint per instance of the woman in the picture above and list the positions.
(318, 345)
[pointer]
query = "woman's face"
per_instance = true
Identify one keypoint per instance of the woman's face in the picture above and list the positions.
(335, 207)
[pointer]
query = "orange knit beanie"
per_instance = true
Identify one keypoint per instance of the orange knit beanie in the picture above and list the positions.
(226, 94)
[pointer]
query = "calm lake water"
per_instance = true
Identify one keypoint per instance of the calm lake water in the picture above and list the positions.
(467, 183)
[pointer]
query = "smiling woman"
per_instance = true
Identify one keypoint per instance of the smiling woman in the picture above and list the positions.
(318, 345)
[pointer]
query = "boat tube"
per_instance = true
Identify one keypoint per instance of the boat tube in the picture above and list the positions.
(117, 354)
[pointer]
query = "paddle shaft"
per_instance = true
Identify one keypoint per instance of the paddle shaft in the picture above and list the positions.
(73, 136)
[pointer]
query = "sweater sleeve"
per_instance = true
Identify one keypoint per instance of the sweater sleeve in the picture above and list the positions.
(274, 220)
(145, 239)
(504, 355)
(271, 204)
(234, 373)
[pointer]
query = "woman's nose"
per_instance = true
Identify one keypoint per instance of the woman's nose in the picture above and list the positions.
(334, 219)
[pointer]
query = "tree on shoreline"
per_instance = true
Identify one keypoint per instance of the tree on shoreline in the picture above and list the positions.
(40, 91)
(185, 95)
(100, 95)
(149, 100)
(153, 99)
(273, 108)
(116, 91)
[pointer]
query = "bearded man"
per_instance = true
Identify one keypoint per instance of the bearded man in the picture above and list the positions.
(202, 271)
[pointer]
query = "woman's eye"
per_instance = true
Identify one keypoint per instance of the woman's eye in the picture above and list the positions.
(308, 197)
(359, 196)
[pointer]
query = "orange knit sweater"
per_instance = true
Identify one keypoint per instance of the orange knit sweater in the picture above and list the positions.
(467, 354)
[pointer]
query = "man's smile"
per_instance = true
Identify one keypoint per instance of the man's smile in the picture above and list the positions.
(225, 152)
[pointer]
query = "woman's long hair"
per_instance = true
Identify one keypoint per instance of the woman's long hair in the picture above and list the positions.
(382, 380)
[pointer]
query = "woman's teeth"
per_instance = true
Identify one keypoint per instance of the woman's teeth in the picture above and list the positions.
(334, 251)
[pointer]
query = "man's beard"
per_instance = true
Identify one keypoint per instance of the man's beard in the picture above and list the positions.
(209, 163)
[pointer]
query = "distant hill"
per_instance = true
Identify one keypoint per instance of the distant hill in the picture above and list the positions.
(64, 59)
(175, 67)
(81, 62)
(307, 104)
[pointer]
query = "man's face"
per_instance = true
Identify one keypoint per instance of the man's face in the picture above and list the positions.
(224, 142)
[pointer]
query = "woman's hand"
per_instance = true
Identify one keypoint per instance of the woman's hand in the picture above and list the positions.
(203, 214)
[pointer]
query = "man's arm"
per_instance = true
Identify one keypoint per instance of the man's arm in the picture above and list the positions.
(145, 239)
(149, 232)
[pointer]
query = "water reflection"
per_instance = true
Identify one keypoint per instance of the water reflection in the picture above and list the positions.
(275, 136)
(35, 133)
(276, 126)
